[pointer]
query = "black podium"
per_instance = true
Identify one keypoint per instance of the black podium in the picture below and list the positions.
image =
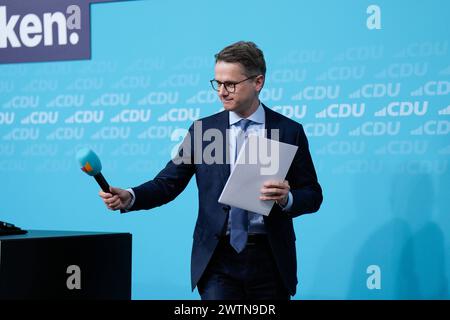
(65, 265)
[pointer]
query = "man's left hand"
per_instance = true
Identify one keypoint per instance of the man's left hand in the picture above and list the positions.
(275, 190)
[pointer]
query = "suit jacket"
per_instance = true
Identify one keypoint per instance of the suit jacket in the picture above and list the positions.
(211, 178)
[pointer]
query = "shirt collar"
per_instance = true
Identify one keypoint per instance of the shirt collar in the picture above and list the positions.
(258, 116)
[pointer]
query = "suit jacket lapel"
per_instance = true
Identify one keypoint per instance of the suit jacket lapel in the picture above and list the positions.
(271, 122)
(223, 124)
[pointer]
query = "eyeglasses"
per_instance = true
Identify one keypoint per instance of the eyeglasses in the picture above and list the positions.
(229, 86)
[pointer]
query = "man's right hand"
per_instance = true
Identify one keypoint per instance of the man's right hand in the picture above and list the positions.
(117, 199)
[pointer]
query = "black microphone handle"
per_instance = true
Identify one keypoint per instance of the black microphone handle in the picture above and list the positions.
(102, 182)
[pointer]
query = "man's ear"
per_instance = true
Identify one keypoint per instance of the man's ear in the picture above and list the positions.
(260, 80)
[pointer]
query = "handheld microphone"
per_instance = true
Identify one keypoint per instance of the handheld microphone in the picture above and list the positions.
(90, 164)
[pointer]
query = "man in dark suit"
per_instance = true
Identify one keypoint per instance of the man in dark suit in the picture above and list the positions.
(236, 254)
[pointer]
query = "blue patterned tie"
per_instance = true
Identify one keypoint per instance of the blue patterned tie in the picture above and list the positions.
(238, 216)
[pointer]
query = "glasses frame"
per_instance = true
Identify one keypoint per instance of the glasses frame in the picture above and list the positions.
(229, 83)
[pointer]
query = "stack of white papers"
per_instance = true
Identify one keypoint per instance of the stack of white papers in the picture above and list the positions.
(259, 160)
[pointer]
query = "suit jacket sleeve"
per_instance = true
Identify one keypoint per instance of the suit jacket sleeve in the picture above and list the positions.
(170, 181)
(306, 190)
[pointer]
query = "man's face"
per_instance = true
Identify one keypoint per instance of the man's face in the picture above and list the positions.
(245, 96)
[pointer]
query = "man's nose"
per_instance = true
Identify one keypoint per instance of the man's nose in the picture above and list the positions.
(222, 91)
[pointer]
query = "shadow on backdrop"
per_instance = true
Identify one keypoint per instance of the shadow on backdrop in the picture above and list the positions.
(409, 248)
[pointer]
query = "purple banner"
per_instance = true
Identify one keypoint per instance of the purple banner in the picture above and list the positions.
(45, 30)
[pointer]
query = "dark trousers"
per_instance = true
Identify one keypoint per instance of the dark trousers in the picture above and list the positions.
(251, 274)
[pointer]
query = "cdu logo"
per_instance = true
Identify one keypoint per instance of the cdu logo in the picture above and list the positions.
(46, 30)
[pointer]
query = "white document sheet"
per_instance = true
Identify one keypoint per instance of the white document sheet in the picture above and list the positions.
(259, 160)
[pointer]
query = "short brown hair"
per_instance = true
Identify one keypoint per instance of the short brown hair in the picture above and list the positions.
(246, 53)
